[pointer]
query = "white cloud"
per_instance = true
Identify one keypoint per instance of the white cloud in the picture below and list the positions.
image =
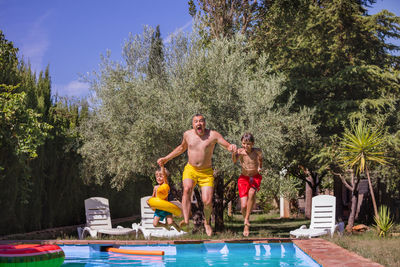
(181, 29)
(36, 42)
(73, 89)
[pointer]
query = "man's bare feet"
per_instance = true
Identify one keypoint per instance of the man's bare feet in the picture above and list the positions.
(209, 230)
(246, 230)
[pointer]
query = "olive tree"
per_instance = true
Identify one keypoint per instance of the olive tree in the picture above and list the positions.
(136, 120)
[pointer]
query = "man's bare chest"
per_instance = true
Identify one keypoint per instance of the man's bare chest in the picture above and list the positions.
(195, 143)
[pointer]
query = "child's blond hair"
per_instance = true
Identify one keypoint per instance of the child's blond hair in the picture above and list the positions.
(159, 169)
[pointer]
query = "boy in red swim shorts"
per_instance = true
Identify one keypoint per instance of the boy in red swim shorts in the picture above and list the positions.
(249, 181)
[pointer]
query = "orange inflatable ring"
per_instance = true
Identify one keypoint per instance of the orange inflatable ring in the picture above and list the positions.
(158, 203)
(31, 255)
(136, 252)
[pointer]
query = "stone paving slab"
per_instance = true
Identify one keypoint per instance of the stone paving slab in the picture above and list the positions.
(322, 251)
(331, 255)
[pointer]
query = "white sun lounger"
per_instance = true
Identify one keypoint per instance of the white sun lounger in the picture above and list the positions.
(98, 220)
(322, 218)
(146, 226)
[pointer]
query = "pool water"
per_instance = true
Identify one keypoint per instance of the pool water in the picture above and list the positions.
(187, 255)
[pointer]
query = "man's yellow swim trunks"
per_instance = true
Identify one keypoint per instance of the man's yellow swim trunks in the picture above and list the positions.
(203, 177)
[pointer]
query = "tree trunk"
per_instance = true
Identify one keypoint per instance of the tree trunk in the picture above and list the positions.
(230, 213)
(197, 212)
(312, 183)
(277, 202)
(360, 201)
(354, 202)
(308, 198)
(338, 191)
(371, 189)
(218, 203)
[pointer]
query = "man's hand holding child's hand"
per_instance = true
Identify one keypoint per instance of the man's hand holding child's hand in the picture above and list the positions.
(241, 151)
(232, 148)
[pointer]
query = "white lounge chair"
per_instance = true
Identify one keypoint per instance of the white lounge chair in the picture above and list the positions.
(98, 220)
(323, 220)
(146, 226)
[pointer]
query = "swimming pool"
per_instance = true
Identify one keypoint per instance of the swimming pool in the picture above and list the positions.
(204, 254)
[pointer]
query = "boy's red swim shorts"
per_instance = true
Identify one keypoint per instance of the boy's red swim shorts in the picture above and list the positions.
(246, 182)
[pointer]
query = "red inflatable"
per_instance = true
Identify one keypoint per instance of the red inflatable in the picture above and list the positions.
(31, 255)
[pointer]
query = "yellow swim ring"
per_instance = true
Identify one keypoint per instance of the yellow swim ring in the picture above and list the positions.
(162, 191)
(160, 204)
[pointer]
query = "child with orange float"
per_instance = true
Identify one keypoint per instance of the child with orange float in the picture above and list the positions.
(161, 191)
(250, 179)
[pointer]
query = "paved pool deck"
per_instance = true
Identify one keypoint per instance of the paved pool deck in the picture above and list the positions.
(322, 251)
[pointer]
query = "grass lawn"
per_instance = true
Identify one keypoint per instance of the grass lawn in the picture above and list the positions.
(385, 251)
(264, 225)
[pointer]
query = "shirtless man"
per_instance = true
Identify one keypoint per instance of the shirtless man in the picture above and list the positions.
(249, 181)
(200, 143)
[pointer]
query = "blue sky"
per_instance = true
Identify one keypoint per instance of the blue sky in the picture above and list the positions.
(70, 35)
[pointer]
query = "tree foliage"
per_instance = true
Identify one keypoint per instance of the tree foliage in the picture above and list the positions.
(336, 56)
(39, 164)
(136, 120)
(224, 18)
(156, 67)
(359, 148)
(8, 61)
(21, 131)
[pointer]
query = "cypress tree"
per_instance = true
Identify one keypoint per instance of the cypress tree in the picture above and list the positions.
(155, 67)
(8, 62)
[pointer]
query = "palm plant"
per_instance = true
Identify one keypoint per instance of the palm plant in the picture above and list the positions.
(359, 148)
(384, 222)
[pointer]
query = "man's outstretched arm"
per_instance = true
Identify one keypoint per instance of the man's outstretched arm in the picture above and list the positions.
(230, 147)
(176, 152)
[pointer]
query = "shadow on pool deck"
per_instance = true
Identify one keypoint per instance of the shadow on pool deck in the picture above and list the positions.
(322, 251)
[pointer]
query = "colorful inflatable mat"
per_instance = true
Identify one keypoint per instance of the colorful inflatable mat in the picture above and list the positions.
(31, 255)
